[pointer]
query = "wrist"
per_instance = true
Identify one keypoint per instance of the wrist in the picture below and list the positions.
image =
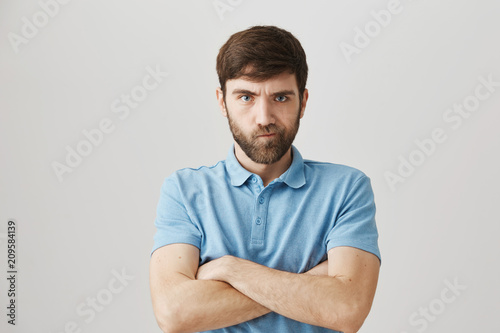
(231, 268)
(226, 266)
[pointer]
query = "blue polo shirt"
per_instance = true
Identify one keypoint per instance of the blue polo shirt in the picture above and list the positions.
(288, 225)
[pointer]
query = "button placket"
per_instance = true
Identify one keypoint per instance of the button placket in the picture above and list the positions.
(260, 217)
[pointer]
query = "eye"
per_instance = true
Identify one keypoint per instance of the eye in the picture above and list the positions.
(246, 98)
(281, 98)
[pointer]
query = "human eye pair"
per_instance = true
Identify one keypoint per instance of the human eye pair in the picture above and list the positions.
(247, 98)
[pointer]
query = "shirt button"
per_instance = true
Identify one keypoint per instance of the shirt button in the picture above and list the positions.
(254, 179)
(258, 221)
(261, 200)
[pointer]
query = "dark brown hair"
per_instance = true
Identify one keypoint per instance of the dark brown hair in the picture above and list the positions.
(266, 51)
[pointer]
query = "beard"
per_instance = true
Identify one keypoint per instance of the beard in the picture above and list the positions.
(264, 151)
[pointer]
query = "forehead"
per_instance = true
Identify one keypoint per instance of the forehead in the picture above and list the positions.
(283, 81)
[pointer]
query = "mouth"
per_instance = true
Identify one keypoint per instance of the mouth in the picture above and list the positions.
(268, 135)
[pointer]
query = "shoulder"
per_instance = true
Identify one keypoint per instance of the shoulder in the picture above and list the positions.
(202, 174)
(316, 170)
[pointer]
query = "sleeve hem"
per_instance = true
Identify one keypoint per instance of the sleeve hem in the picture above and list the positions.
(358, 245)
(194, 242)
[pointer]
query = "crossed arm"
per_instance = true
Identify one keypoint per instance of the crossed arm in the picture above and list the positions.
(336, 294)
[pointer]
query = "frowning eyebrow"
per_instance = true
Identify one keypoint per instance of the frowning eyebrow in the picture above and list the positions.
(284, 93)
(251, 93)
(243, 92)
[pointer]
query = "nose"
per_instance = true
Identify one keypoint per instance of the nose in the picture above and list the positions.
(264, 111)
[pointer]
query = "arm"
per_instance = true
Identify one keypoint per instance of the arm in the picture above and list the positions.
(340, 301)
(183, 304)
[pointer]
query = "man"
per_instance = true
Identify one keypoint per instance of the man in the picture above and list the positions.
(264, 241)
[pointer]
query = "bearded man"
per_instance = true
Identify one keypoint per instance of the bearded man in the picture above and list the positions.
(264, 241)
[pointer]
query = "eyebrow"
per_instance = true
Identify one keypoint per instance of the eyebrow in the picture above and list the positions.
(251, 93)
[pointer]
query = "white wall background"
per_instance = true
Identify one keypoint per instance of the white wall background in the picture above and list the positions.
(440, 226)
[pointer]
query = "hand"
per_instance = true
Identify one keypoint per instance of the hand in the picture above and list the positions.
(214, 270)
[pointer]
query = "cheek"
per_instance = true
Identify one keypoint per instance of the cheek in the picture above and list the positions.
(288, 112)
(291, 119)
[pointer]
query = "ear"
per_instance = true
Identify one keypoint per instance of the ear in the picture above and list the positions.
(220, 101)
(304, 102)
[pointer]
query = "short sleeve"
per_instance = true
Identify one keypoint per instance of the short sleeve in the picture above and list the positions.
(172, 222)
(355, 225)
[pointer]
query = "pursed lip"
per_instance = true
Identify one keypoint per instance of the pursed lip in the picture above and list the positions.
(268, 135)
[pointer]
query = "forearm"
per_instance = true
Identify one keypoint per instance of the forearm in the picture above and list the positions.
(317, 300)
(197, 305)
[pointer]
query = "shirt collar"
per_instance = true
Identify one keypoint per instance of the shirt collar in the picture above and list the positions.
(293, 177)
(237, 173)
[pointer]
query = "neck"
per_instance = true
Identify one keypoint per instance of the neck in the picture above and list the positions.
(267, 172)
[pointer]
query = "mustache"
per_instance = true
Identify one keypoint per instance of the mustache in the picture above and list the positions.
(263, 130)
